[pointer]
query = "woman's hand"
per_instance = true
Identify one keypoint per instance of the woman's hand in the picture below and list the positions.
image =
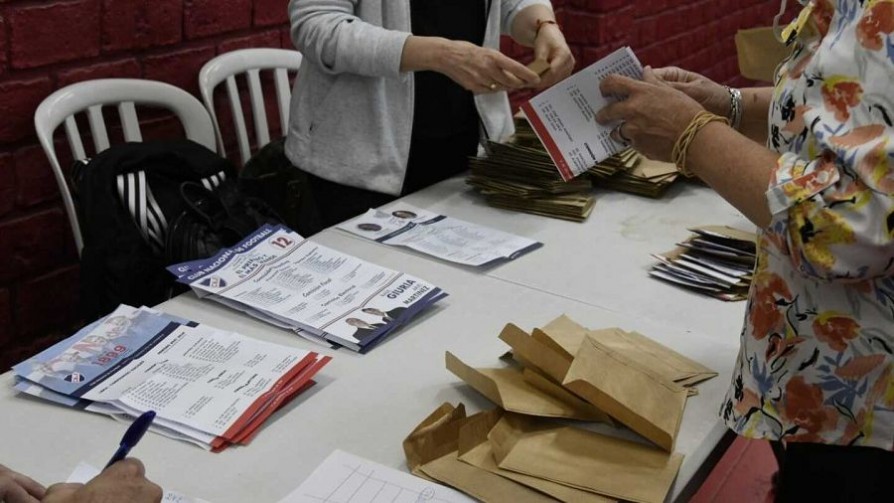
(711, 95)
(17, 488)
(482, 70)
(550, 46)
(652, 114)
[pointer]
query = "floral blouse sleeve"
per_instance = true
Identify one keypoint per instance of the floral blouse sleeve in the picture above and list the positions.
(832, 191)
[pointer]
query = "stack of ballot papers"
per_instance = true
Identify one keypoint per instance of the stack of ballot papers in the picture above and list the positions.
(527, 449)
(716, 260)
(319, 293)
(630, 171)
(439, 236)
(524, 178)
(207, 386)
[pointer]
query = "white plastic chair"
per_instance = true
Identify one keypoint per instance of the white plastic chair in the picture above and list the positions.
(90, 97)
(250, 62)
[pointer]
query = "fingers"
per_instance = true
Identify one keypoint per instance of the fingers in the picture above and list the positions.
(30, 485)
(674, 74)
(523, 73)
(618, 85)
(14, 493)
(126, 468)
(612, 113)
(61, 492)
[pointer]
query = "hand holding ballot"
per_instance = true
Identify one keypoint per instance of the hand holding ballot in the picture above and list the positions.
(651, 115)
(18, 488)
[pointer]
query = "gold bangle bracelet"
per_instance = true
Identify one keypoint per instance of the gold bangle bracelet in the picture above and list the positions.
(681, 146)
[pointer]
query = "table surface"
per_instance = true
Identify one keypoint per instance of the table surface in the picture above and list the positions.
(366, 404)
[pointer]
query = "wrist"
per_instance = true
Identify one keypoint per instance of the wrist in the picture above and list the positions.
(433, 53)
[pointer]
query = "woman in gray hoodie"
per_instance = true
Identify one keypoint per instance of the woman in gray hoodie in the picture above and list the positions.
(395, 95)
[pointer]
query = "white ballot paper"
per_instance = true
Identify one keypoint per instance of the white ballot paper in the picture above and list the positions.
(320, 293)
(84, 472)
(345, 478)
(209, 387)
(564, 116)
(440, 236)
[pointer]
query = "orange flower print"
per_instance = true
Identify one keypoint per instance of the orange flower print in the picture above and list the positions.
(840, 94)
(835, 329)
(765, 316)
(875, 169)
(796, 125)
(822, 16)
(858, 136)
(804, 407)
(859, 367)
(877, 22)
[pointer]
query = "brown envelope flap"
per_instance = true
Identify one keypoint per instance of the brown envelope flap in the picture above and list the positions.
(474, 430)
(478, 483)
(435, 436)
(645, 403)
(728, 232)
(566, 333)
(586, 460)
(652, 355)
(482, 456)
(542, 356)
(507, 388)
(546, 385)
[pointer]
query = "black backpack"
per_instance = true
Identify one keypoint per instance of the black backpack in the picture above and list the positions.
(144, 206)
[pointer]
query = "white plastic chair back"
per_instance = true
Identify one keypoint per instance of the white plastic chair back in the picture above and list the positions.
(250, 62)
(90, 97)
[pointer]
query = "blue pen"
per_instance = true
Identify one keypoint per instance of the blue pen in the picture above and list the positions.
(133, 435)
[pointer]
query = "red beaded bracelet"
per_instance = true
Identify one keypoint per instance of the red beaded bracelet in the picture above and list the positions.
(540, 23)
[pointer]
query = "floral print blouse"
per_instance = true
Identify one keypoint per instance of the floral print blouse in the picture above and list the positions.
(816, 360)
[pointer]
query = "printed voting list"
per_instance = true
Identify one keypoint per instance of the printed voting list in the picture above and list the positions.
(321, 294)
(208, 387)
(440, 236)
(564, 116)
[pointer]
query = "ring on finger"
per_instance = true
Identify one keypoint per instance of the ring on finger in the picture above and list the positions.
(617, 134)
(493, 86)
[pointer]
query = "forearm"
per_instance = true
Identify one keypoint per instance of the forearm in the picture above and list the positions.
(423, 53)
(736, 167)
(524, 26)
(756, 106)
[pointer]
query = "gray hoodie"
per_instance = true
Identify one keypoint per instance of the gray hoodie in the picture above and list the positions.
(352, 108)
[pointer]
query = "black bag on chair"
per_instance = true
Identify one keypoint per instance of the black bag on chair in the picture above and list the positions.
(144, 206)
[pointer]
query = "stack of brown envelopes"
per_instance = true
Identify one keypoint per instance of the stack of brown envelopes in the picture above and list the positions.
(716, 260)
(522, 178)
(520, 452)
(630, 171)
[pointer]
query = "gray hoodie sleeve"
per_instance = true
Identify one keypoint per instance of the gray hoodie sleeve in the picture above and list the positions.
(330, 34)
(511, 8)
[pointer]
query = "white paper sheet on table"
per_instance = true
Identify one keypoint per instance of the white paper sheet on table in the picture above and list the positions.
(346, 478)
(439, 236)
(84, 472)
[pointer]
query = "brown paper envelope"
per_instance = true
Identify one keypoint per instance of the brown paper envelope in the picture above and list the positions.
(584, 459)
(565, 333)
(435, 436)
(479, 483)
(544, 356)
(539, 66)
(759, 53)
(642, 401)
(476, 450)
(544, 384)
(507, 388)
(652, 355)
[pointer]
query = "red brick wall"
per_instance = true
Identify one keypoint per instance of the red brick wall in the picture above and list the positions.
(48, 44)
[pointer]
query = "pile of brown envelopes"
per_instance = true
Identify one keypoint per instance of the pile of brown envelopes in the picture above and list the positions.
(564, 371)
(716, 260)
(630, 171)
(523, 178)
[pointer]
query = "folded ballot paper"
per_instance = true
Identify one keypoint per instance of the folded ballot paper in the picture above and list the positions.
(207, 386)
(564, 116)
(440, 236)
(321, 294)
